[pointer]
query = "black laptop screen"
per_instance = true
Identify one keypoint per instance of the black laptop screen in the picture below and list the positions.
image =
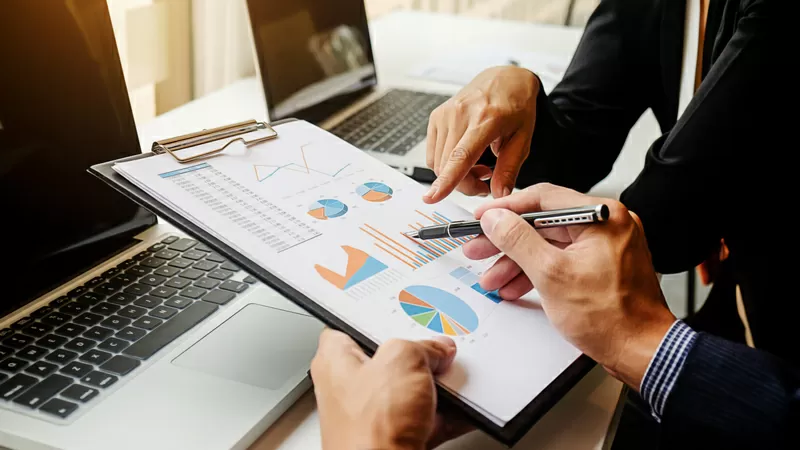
(314, 56)
(63, 107)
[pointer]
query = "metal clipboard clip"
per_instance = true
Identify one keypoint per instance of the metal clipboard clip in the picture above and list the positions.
(209, 143)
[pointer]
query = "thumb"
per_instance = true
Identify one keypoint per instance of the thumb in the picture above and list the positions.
(440, 352)
(515, 237)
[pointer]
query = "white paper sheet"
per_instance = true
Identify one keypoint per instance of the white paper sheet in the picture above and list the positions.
(460, 67)
(329, 220)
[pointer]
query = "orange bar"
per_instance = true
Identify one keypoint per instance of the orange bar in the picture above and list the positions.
(389, 245)
(387, 237)
(425, 216)
(395, 256)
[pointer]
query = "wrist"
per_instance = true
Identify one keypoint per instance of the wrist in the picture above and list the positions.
(639, 348)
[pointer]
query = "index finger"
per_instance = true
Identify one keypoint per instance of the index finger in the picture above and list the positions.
(461, 159)
(539, 197)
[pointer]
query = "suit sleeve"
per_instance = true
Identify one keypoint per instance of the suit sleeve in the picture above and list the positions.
(733, 396)
(719, 153)
(582, 125)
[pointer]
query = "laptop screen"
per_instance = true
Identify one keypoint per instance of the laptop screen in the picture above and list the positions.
(314, 56)
(63, 107)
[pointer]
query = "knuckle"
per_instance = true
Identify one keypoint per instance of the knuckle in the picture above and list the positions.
(396, 349)
(553, 266)
(459, 154)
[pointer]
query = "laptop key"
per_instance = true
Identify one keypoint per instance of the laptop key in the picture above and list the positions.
(43, 391)
(22, 323)
(16, 385)
(124, 279)
(216, 257)
(105, 309)
(191, 274)
(58, 407)
(91, 298)
(77, 292)
(113, 345)
(5, 351)
(146, 322)
(88, 319)
(70, 330)
(111, 273)
(206, 283)
(80, 344)
(132, 312)
(12, 365)
(79, 393)
(52, 341)
(157, 247)
(167, 254)
(17, 341)
(181, 263)
(39, 313)
(95, 356)
(178, 283)
(163, 292)
(153, 263)
(32, 353)
(202, 248)
(220, 274)
(228, 266)
(178, 302)
(94, 282)
(167, 271)
(120, 365)
(116, 322)
(108, 288)
(127, 264)
(38, 329)
(73, 308)
(41, 369)
(193, 292)
(61, 356)
(60, 301)
(142, 255)
(163, 312)
(56, 319)
(169, 331)
(152, 280)
(169, 240)
(76, 369)
(219, 297)
(98, 333)
(137, 289)
(194, 255)
(5, 332)
(234, 286)
(130, 334)
(148, 301)
(99, 379)
(138, 271)
(121, 298)
(181, 245)
(204, 265)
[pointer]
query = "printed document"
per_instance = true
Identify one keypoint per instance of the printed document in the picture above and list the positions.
(331, 221)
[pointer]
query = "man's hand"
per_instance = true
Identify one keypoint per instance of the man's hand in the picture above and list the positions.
(497, 109)
(387, 402)
(597, 282)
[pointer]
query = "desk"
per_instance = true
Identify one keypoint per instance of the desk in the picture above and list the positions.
(582, 419)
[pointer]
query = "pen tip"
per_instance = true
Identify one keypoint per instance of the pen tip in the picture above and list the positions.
(412, 234)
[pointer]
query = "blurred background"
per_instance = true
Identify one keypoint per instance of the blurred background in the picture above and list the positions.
(174, 51)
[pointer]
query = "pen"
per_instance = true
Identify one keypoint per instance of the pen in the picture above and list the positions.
(542, 219)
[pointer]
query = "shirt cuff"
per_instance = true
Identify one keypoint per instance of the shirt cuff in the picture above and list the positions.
(659, 379)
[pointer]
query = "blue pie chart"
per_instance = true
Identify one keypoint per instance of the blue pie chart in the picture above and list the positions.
(327, 209)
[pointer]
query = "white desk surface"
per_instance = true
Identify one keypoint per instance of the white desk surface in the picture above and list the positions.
(582, 419)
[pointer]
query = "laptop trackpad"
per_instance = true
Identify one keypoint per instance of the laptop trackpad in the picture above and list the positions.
(259, 346)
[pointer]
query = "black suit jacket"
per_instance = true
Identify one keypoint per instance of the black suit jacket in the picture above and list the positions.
(718, 171)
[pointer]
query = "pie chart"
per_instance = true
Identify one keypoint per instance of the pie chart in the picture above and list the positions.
(327, 209)
(438, 310)
(374, 192)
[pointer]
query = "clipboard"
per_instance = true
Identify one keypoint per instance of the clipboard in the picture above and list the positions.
(508, 435)
(209, 143)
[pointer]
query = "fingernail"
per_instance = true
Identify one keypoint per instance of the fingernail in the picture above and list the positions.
(506, 192)
(451, 346)
(483, 194)
(486, 177)
(434, 189)
(490, 219)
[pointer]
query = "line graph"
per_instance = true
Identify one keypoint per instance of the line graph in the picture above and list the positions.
(264, 172)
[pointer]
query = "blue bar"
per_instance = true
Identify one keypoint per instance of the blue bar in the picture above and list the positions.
(493, 296)
(443, 217)
(426, 257)
(439, 246)
(184, 170)
(459, 273)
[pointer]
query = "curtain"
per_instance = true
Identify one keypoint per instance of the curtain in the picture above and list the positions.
(223, 44)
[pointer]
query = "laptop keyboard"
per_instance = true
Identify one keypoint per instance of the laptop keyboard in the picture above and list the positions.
(63, 355)
(394, 124)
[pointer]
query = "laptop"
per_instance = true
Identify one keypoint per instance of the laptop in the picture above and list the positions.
(116, 332)
(316, 63)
